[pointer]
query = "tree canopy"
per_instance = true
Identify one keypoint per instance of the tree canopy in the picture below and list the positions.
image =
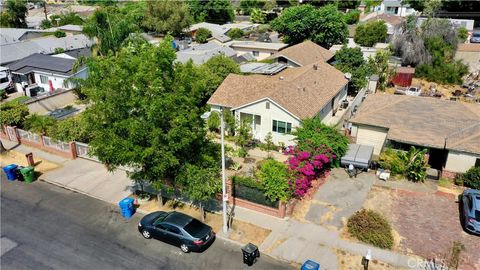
(145, 113)
(14, 14)
(350, 60)
(246, 6)
(369, 33)
(202, 35)
(325, 26)
(213, 11)
(167, 16)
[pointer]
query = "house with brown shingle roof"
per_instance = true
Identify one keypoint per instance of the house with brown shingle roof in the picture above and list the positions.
(305, 53)
(449, 129)
(278, 103)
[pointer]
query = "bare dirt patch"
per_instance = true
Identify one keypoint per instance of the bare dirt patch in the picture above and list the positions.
(240, 231)
(348, 261)
(14, 157)
(427, 223)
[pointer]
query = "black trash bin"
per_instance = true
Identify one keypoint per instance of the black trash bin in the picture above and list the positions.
(250, 254)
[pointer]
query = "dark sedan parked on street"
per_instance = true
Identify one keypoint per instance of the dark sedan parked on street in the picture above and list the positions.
(177, 229)
(471, 210)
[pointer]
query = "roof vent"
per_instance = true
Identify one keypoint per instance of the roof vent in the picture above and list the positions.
(315, 67)
(282, 78)
(348, 76)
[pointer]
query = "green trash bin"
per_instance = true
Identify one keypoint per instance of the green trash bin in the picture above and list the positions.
(28, 174)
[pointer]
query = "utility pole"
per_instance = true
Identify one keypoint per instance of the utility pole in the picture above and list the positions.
(45, 9)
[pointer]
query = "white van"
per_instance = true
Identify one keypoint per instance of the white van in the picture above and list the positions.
(6, 82)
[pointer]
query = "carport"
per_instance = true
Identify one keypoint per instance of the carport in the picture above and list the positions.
(358, 155)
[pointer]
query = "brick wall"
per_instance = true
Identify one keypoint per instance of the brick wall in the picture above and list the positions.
(276, 212)
(448, 174)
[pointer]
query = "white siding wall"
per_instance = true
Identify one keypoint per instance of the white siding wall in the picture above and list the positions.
(262, 54)
(267, 117)
(57, 80)
(374, 136)
(460, 162)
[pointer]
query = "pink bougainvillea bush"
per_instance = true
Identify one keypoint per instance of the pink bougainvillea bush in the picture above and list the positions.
(305, 166)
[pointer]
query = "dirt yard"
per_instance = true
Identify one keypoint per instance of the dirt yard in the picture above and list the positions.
(241, 231)
(427, 223)
(347, 261)
(14, 157)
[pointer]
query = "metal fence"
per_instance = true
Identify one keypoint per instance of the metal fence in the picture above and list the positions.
(28, 136)
(59, 145)
(82, 150)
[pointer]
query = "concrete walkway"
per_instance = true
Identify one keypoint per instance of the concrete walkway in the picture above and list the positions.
(84, 176)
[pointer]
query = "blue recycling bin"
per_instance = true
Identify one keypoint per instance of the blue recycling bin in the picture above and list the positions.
(11, 171)
(310, 265)
(126, 207)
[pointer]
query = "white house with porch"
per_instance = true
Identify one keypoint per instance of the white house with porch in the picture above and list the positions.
(278, 103)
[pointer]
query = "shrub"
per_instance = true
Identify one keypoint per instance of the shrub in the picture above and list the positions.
(372, 228)
(213, 122)
(235, 33)
(39, 123)
(58, 50)
(472, 178)
(352, 16)
(71, 129)
(412, 164)
(202, 35)
(13, 113)
(390, 160)
(274, 176)
(59, 34)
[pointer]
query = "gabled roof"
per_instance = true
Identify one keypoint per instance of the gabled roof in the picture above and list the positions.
(424, 121)
(305, 53)
(13, 35)
(302, 91)
(45, 63)
(388, 18)
(201, 53)
(257, 45)
(45, 45)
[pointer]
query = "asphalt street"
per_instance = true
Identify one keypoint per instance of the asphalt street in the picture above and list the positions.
(47, 227)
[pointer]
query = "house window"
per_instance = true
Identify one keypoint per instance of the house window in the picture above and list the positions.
(43, 79)
(267, 105)
(282, 127)
(477, 162)
(255, 53)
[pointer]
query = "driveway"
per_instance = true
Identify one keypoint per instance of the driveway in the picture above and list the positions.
(340, 197)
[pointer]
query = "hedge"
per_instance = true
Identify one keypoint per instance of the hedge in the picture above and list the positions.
(372, 228)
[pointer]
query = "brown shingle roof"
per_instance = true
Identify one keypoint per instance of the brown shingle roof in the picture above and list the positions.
(305, 53)
(469, 47)
(391, 19)
(302, 91)
(424, 121)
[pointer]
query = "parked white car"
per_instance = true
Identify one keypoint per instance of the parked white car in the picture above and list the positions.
(6, 82)
(413, 91)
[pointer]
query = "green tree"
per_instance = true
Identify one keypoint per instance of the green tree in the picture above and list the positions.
(352, 17)
(274, 177)
(202, 35)
(45, 24)
(313, 133)
(462, 34)
(378, 65)
(235, 33)
(110, 27)
(213, 11)
(39, 124)
(71, 129)
(325, 26)
(258, 16)
(199, 184)
(350, 60)
(213, 122)
(246, 6)
(144, 112)
(13, 113)
(14, 14)
(243, 134)
(269, 145)
(59, 34)
(219, 67)
(167, 16)
(369, 33)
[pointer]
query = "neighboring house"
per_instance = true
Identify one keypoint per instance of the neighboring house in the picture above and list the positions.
(14, 35)
(366, 51)
(394, 7)
(449, 129)
(260, 50)
(470, 55)
(392, 22)
(219, 32)
(201, 53)
(279, 102)
(468, 24)
(302, 54)
(49, 72)
(68, 28)
(45, 45)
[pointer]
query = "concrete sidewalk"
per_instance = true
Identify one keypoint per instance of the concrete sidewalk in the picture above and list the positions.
(84, 176)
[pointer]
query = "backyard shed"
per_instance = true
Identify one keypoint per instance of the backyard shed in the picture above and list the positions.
(358, 155)
(403, 76)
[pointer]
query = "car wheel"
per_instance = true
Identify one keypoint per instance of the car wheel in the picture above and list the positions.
(146, 234)
(184, 248)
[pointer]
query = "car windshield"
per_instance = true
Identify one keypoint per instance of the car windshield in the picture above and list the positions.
(160, 218)
(194, 228)
(476, 35)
